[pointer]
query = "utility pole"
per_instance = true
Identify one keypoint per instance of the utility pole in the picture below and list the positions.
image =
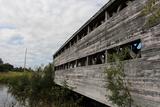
(25, 59)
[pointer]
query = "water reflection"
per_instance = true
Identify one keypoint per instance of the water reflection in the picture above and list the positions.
(6, 99)
(39, 90)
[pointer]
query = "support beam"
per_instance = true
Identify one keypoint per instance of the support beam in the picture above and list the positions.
(106, 56)
(87, 60)
(89, 30)
(106, 16)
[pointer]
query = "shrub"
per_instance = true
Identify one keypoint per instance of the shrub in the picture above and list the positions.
(119, 92)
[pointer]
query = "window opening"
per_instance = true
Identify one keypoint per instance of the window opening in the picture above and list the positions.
(73, 64)
(117, 6)
(98, 58)
(81, 62)
(127, 51)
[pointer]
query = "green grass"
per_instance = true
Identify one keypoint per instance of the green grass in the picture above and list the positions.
(5, 77)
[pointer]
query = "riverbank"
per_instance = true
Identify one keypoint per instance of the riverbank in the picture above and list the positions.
(6, 77)
(38, 89)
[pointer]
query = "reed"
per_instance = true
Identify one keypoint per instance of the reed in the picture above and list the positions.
(5, 77)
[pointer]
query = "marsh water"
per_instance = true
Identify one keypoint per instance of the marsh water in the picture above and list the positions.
(6, 99)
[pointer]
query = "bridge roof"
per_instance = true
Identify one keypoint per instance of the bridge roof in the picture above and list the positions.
(87, 23)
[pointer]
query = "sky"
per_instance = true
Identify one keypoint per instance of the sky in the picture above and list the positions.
(41, 26)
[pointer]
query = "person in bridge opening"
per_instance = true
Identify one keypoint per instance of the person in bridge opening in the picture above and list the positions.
(81, 62)
(136, 48)
(98, 58)
(127, 51)
(72, 65)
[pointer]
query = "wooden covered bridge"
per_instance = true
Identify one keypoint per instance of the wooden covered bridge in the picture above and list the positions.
(82, 59)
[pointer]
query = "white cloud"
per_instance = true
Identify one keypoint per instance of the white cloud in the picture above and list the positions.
(43, 25)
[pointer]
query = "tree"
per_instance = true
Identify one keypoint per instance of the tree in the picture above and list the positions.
(6, 67)
(1, 61)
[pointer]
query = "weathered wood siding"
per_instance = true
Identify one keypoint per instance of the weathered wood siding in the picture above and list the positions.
(143, 73)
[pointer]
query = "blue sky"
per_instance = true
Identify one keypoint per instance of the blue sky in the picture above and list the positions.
(16, 40)
(41, 26)
(7, 26)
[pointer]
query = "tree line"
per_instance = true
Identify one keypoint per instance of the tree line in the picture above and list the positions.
(5, 67)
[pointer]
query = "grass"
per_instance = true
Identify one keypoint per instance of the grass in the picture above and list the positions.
(5, 77)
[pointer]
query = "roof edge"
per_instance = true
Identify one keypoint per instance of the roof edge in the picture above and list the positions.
(86, 23)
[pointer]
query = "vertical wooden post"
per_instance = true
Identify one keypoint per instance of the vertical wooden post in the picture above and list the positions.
(76, 63)
(106, 56)
(106, 15)
(77, 38)
(87, 59)
(88, 30)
